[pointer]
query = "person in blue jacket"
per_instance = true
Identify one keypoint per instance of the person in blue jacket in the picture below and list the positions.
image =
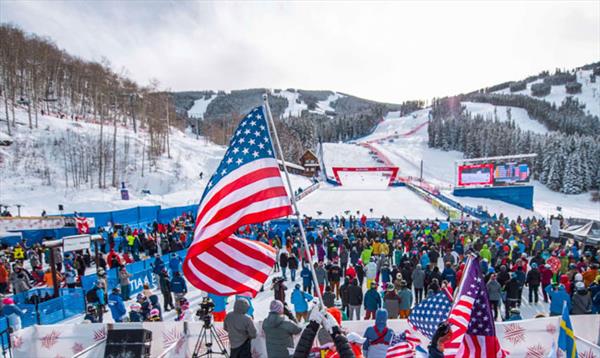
(558, 296)
(116, 305)
(372, 301)
(306, 278)
(101, 302)
(157, 266)
(175, 263)
(449, 274)
(178, 287)
(425, 260)
(378, 337)
(300, 301)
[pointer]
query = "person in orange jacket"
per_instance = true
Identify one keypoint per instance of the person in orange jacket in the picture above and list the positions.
(49, 280)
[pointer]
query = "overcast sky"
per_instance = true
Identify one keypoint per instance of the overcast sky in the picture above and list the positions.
(387, 51)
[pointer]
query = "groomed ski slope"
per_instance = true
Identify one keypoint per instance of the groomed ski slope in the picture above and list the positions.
(395, 202)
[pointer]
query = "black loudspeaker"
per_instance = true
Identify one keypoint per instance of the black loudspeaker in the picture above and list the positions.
(60, 207)
(125, 343)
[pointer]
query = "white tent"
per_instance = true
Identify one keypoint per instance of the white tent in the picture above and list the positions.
(588, 233)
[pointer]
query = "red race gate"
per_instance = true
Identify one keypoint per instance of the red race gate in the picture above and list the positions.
(394, 171)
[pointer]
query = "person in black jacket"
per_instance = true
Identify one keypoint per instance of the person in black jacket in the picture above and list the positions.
(355, 300)
(316, 320)
(513, 290)
(533, 282)
(293, 266)
(344, 288)
(283, 263)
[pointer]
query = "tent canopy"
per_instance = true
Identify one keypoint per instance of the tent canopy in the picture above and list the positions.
(588, 233)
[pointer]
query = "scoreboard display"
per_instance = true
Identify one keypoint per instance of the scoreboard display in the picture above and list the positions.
(494, 174)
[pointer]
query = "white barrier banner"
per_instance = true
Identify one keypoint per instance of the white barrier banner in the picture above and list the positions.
(526, 338)
(31, 223)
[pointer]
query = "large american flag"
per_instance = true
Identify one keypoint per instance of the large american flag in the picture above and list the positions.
(245, 189)
(471, 320)
(429, 313)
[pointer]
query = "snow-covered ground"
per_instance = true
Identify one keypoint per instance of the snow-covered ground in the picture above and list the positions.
(295, 106)
(518, 115)
(395, 202)
(346, 155)
(590, 92)
(171, 181)
(200, 106)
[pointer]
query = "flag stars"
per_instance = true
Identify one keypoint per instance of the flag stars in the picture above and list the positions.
(247, 131)
(224, 171)
(245, 151)
(253, 123)
(235, 150)
(239, 161)
(257, 133)
(251, 141)
(229, 160)
(255, 154)
(262, 128)
(261, 146)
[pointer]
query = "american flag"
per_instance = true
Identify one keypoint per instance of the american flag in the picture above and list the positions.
(403, 345)
(471, 320)
(245, 189)
(429, 313)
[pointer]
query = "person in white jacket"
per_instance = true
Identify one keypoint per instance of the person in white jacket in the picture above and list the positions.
(371, 272)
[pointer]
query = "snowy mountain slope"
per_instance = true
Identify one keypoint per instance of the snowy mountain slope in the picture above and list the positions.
(407, 151)
(590, 92)
(199, 108)
(295, 105)
(32, 168)
(518, 115)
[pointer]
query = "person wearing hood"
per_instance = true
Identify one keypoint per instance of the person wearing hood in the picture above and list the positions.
(378, 337)
(279, 331)
(116, 305)
(300, 301)
(558, 296)
(240, 328)
(418, 279)
(581, 302)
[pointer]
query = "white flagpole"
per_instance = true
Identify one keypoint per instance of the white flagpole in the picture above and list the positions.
(293, 198)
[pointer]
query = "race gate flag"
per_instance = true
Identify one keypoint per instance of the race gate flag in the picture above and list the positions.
(245, 189)
(471, 320)
(83, 227)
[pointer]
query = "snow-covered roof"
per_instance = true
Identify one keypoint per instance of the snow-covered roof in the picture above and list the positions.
(291, 165)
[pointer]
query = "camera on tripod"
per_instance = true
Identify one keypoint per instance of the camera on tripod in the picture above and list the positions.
(207, 306)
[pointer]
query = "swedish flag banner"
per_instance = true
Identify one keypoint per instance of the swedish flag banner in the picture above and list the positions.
(566, 337)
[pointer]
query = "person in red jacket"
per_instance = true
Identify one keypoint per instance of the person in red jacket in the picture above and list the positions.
(546, 279)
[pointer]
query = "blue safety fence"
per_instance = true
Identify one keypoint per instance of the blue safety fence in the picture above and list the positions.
(4, 334)
(136, 216)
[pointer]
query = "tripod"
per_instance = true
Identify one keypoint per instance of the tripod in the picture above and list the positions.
(208, 335)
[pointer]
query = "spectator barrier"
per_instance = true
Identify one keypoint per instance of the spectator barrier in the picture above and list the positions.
(525, 338)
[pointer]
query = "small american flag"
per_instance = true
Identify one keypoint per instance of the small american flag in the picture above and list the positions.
(245, 189)
(403, 345)
(471, 320)
(429, 313)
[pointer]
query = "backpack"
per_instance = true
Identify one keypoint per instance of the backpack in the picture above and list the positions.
(91, 296)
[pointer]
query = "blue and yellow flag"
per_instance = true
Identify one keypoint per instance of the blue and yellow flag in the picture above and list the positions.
(566, 337)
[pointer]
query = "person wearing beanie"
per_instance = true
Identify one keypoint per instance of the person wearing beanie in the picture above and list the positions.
(279, 331)
(116, 305)
(300, 301)
(406, 300)
(581, 302)
(391, 302)
(533, 283)
(13, 313)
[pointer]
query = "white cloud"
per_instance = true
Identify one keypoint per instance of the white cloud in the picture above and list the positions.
(389, 51)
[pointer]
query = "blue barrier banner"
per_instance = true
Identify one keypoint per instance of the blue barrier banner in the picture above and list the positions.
(29, 317)
(4, 335)
(148, 214)
(136, 267)
(51, 311)
(138, 280)
(88, 281)
(73, 300)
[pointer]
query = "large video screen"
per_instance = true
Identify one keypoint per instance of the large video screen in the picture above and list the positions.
(498, 174)
(477, 174)
(509, 173)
